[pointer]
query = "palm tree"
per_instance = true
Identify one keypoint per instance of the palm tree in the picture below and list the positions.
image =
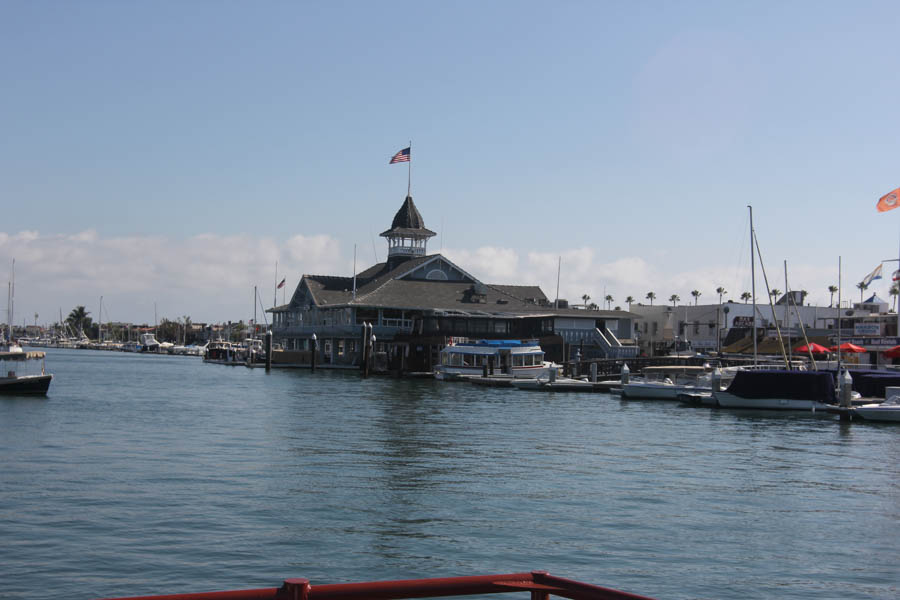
(586, 297)
(593, 306)
(721, 292)
(609, 300)
(863, 286)
(696, 295)
(629, 300)
(832, 289)
(673, 299)
(895, 291)
(77, 318)
(745, 297)
(774, 293)
(651, 296)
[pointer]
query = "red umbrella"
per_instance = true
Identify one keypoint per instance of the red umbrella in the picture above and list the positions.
(848, 347)
(814, 348)
(892, 352)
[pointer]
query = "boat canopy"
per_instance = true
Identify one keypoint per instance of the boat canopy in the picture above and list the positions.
(30, 355)
(793, 385)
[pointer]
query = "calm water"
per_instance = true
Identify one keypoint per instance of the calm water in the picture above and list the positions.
(154, 474)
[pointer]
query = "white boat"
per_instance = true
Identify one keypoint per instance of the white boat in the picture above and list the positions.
(516, 358)
(667, 382)
(889, 410)
(778, 390)
(148, 343)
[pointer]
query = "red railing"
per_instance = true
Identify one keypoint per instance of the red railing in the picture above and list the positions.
(540, 584)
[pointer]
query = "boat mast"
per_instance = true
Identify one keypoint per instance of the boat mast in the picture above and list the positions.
(787, 316)
(753, 280)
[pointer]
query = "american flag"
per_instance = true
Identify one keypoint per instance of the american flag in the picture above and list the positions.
(402, 156)
(281, 285)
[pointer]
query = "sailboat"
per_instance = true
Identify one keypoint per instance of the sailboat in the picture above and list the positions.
(21, 372)
(774, 389)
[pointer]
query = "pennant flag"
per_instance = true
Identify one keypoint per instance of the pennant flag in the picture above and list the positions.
(281, 285)
(876, 274)
(403, 156)
(889, 201)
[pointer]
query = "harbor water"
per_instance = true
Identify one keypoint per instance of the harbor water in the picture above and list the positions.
(145, 474)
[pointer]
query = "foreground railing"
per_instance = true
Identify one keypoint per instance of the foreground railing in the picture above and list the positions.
(540, 584)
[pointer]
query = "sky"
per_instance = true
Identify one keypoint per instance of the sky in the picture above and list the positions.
(166, 155)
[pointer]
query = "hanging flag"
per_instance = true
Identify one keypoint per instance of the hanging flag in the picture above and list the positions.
(403, 156)
(876, 274)
(281, 285)
(896, 275)
(889, 201)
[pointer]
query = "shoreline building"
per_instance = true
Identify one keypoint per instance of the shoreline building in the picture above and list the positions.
(417, 303)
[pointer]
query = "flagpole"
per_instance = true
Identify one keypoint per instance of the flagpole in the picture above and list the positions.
(409, 172)
(275, 297)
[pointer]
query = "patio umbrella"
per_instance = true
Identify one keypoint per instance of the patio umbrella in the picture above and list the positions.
(848, 347)
(892, 352)
(814, 348)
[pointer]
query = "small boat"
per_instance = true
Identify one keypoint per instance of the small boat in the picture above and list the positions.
(539, 584)
(778, 390)
(18, 375)
(546, 384)
(148, 343)
(889, 410)
(221, 352)
(668, 382)
(516, 358)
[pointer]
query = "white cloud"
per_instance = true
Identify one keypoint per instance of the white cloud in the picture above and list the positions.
(210, 277)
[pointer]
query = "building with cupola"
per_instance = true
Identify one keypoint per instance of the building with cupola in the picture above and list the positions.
(417, 303)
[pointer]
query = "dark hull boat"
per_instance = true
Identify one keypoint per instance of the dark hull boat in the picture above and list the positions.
(14, 378)
(26, 385)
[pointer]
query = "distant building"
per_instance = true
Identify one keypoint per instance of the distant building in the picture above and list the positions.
(419, 302)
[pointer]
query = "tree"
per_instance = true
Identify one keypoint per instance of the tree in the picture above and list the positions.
(79, 319)
(629, 300)
(863, 286)
(651, 296)
(745, 297)
(774, 293)
(721, 292)
(803, 295)
(609, 300)
(895, 291)
(674, 298)
(832, 289)
(585, 298)
(696, 294)
(593, 306)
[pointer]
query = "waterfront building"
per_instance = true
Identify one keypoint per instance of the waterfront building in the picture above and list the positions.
(869, 324)
(417, 303)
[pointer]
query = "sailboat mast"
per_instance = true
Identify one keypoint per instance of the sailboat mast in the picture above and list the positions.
(787, 316)
(753, 280)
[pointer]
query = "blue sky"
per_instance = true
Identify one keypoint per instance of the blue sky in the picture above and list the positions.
(171, 152)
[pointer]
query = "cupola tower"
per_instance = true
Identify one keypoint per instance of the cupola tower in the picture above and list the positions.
(407, 238)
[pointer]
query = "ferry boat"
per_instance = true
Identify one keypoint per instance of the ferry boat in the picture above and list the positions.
(17, 373)
(516, 358)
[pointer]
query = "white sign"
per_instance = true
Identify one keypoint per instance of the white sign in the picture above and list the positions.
(866, 329)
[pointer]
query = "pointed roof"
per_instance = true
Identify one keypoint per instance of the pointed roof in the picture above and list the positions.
(408, 221)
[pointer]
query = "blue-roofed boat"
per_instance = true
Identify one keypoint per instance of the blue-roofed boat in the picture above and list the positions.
(514, 358)
(778, 390)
